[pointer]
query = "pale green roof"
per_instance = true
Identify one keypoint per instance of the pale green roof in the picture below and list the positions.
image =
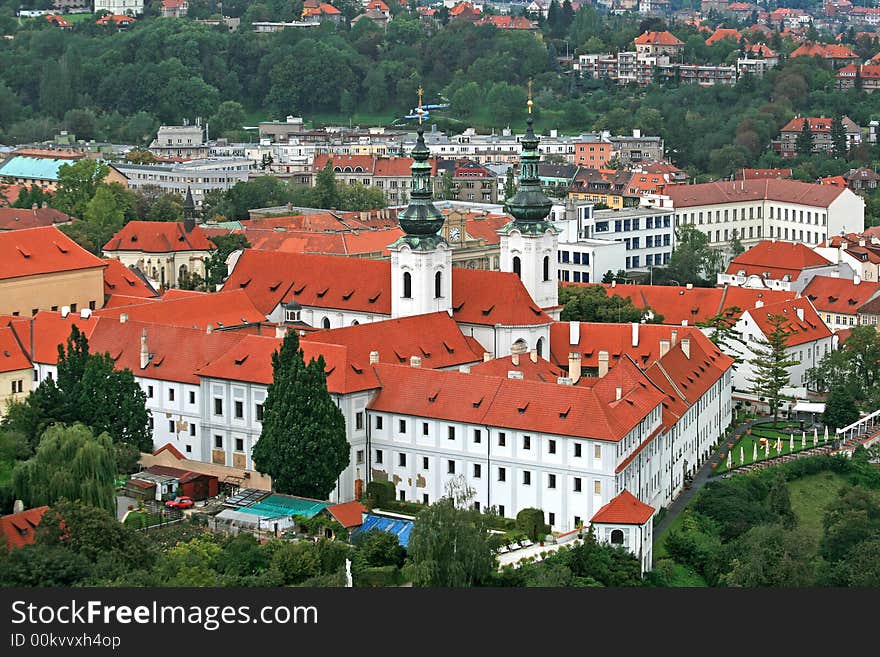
(36, 168)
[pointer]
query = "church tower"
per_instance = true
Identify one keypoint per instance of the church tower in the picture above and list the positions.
(421, 260)
(529, 243)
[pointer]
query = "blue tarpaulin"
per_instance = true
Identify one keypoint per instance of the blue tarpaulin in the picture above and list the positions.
(397, 526)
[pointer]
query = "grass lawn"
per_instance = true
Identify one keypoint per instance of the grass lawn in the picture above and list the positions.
(811, 495)
(685, 576)
(142, 519)
(747, 443)
(76, 19)
(660, 540)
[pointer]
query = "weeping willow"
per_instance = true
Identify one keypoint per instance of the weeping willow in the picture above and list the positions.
(72, 463)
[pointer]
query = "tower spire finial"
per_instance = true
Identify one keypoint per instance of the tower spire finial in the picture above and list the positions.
(530, 102)
(419, 110)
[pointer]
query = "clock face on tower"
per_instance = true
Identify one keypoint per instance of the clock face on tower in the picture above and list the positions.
(455, 233)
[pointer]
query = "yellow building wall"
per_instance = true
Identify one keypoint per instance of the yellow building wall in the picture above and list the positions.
(613, 201)
(6, 380)
(20, 296)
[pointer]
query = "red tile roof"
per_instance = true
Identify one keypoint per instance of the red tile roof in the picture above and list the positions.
(839, 295)
(433, 337)
(722, 33)
(251, 360)
(13, 356)
(158, 237)
(35, 251)
(118, 19)
(120, 280)
(799, 331)
(50, 330)
(219, 309)
(168, 447)
(588, 412)
(761, 49)
(624, 509)
(658, 39)
(786, 191)
(756, 174)
(767, 255)
(541, 370)
(177, 353)
(348, 514)
(679, 304)
(826, 51)
(16, 218)
(18, 528)
(365, 286)
(508, 22)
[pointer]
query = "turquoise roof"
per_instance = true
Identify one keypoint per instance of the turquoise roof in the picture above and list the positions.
(276, 506)
(36, 168)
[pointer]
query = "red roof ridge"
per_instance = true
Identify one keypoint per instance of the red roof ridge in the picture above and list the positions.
(623, 509)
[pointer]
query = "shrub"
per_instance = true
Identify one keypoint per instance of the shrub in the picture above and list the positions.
(380, 492)
(531, 522)
(379, 576)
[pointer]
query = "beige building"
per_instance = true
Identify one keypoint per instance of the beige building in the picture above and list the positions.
(43, 269)
(165, 251)
(16, 370)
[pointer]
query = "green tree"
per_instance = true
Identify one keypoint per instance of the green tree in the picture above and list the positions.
(448, 544)
(302, 444)
(509, 185)
(71, 462)
(215, 264)
(326, 187)
(771, 363)
(736, 246)
(769, 555)
(854, 517)
(467, 99)
(838, 138)
(168, 207)
(103, 217)
(31, 196)
(723, 333)
(692, 261)
(841, 408)
(779, 501)
(228, 119)
(591, 303)
(77, 185)
(804, 142)
(376, 549)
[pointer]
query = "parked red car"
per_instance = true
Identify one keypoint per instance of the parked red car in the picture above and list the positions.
(180, 503)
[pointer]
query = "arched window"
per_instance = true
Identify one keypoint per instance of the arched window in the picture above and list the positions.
(539, 347)
(617, 537)
(517, 267)
(325, 323)
(546, 268)
(407, 285)
(438, 285)
(181, 273)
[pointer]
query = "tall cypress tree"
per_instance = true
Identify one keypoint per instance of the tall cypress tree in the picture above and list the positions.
(771, 363)
(303, 445)
(804, 142)
(838, 137)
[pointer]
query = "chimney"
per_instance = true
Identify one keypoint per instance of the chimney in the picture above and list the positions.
(862, 242)
(514, 358)
(603, 363)
(574, 366)
(45, 205)
(684, 322)
(664, 348)
(759, 304)
(533, 356)
(465, 369)
(209, 328)
(415, 361)
(574, 333)
(800, 313)
(486, 356)
(674, 338)
(618, 393)
(34, 206)
(686, 347)
(123, 318)
(17, 506)
(564, 381)
(635, 334)
(514, 374)
(614, 282)
(280, 331)
(374, 357)
(145, 352)
(689, 286)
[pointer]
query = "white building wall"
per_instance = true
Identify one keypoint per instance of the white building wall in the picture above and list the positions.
(533, 252)
(422, 268)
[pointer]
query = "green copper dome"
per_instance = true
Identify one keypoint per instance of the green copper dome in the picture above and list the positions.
(529, 206)
(421, 220)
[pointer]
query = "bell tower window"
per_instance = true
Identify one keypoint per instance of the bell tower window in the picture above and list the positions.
(407, 285)
(517, 266)
(438, 285)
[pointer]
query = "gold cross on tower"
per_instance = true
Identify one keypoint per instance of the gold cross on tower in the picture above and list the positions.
(420, 111)
(530, 103)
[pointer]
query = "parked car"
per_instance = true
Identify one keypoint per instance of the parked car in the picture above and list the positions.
(180, 503)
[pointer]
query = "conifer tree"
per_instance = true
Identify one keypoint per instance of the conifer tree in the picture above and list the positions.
(804, 142)
(771, 363)
(302, 445)
(838, 137)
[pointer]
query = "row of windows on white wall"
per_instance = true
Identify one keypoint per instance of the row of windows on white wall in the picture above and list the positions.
(407, 285)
